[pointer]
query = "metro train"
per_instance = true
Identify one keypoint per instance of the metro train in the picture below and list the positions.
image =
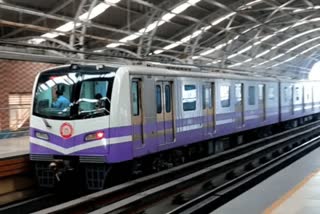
(150, 115)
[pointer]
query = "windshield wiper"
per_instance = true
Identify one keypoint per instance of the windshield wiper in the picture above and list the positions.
(93, 113)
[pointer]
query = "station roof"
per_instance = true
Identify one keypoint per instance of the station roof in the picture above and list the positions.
(278, 38)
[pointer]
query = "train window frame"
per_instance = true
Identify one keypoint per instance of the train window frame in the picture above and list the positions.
(227, 102)
(189, 96)
(251, 95)
(135, 103)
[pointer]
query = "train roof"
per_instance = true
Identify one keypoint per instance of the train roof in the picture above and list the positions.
(143, 70)
(159, 69)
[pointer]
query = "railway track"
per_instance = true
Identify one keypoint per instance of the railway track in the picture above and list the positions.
(216, 197)
(221, 172)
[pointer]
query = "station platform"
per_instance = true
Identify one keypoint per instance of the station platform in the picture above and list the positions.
(293, 190)
(16, 181)
(12, 147)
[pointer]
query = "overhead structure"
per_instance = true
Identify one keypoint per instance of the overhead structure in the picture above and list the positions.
(260, 37)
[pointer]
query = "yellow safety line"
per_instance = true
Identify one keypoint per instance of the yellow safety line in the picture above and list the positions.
(285, 197)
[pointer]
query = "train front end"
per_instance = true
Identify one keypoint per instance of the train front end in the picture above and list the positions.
(69, 125)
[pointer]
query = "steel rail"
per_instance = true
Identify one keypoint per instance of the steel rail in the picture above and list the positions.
(213, 199)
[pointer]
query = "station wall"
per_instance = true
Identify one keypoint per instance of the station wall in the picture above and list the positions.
(16, 82)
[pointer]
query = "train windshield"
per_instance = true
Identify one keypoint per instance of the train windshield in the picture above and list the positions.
(73, 95)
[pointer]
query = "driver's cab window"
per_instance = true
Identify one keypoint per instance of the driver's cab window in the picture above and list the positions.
(61, 95)
(93, 95)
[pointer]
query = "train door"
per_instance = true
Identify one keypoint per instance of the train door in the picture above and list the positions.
(262, 102)
(208, 109)
(239, 106)
(137, 113)
(165, 116)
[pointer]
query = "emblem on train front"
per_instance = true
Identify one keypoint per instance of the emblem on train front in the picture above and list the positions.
(66, 130)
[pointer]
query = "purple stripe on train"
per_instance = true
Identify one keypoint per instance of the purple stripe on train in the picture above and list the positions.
(153, 143)
(128, 130)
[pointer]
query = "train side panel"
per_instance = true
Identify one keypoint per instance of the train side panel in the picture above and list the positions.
(120, 132)
(307, 98)
(316, 96)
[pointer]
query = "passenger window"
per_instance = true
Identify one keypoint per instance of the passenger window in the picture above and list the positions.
(252, 95)
(297, 94)
(271, 94)
(189, 97)
(308, 94)
(135, 98)
(238, 92)
(206, 97)
(158, 98)
(225, 96)
(286, 94)
(209, 97)
(168, 98)
(203, 97)
(261, 91)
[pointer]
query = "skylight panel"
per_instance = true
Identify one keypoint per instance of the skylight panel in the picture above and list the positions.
(221, 19)
(180, 8)
(130, 37)
(168, 16)
(165, 18)
(96, 11)
(67, 27)
(151, 27)
(114, 45)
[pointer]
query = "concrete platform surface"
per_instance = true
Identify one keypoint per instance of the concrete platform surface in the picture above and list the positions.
(293, 190)
(14, 147)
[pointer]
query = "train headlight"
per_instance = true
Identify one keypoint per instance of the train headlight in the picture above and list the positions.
(42, 135)
(94, 136)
